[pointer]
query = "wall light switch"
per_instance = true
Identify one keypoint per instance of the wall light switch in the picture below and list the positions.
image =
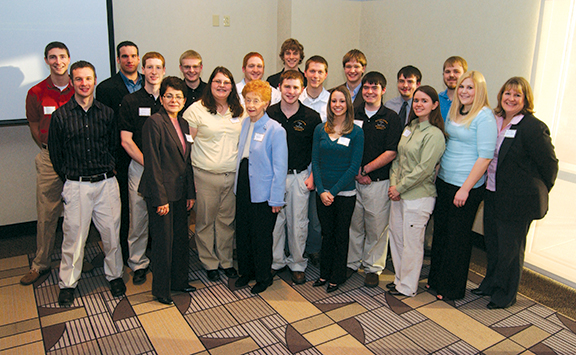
(215, 20)
(226, 21)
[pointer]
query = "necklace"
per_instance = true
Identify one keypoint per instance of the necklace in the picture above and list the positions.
(462, 111)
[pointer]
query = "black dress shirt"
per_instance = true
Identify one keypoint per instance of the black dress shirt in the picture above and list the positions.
(382, 132)
(274, 80)
(134, 111)
(82, 143)
(299, 133)
(194, 95)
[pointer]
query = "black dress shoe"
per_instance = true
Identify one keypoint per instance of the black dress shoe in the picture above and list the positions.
(163, 300)
(66, 297)
(493, 305)
(319, 283)
(331, 288)
(117, 287)
(231, 273)
(394, 292)
(260, 287)
(274, 272)
(213, 275)
(187, 288)
(139, 276)
(391, 285)
(243, 281)
(479, 292)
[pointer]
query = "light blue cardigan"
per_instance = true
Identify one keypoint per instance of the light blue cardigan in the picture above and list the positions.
(268, 161)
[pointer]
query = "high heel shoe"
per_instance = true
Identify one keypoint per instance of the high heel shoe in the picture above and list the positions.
(319, 283)
(331, 288)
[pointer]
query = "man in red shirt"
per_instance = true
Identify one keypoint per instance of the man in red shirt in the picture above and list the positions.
(43, 99)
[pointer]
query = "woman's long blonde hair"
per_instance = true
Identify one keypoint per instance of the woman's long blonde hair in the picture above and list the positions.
(480, 97)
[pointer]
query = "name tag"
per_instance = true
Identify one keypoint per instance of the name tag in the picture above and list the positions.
(235, 120)
(258, 137)
(344, 141)
(359, 123)
(144, 111)
(49, 109)
(511, 133)
(406, 133)
(189, 138)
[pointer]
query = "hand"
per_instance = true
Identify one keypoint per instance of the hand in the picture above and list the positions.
(326, 198)
(163, 210)
(393, 194)
(309, 183)
(276, 209)
(460, 197)
(363, 180)
(190, 204)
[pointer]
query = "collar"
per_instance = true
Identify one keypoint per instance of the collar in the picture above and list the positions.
(50, 84)
(128, 81)
(262, 122)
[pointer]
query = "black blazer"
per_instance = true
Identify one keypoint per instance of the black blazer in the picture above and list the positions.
(168, 172)
(526, 171)
(111, 91)
(358, 102)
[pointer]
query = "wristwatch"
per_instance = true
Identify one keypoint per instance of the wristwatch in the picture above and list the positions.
(363, 172)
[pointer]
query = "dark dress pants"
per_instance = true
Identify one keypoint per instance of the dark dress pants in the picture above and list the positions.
(170, 250)
(505, 241)
(452, 242)
(254, 225)
(122, 177)
(335, 221)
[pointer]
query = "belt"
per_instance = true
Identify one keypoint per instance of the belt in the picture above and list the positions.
(295, 171)
(92, 178)
(44, 146)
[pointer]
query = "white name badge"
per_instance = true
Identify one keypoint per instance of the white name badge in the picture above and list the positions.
(511, 133)
(49, 109)
(235, 120)
(258, 137)
(406, 133)
(359, 123)
(189, 138)
(144, 111)
(344, 141)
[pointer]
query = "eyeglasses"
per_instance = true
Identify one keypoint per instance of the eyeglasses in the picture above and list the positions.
(170, 97)
(222, 83)
(188, 67)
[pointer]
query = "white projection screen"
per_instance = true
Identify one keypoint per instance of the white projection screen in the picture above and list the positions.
(26, 27)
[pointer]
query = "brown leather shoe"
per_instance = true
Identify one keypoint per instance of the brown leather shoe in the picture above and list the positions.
(32, 276)
(371, 280)
(298, 277)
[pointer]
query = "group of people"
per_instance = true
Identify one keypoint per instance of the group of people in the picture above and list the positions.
(285, 171)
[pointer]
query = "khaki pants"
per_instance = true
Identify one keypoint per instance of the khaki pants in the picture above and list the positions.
(215, 213)
(368, 238)
(49, 208)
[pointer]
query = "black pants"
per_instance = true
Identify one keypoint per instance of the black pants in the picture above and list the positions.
(505, 241)
(254, 225)
(122, 177)
(452, 243)
(335, 222)
(170, 251)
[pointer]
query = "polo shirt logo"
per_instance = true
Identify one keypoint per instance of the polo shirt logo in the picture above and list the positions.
(381, 124)
(299, 125)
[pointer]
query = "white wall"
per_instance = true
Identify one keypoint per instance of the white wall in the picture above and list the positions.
(173, 27)
(497, 38)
